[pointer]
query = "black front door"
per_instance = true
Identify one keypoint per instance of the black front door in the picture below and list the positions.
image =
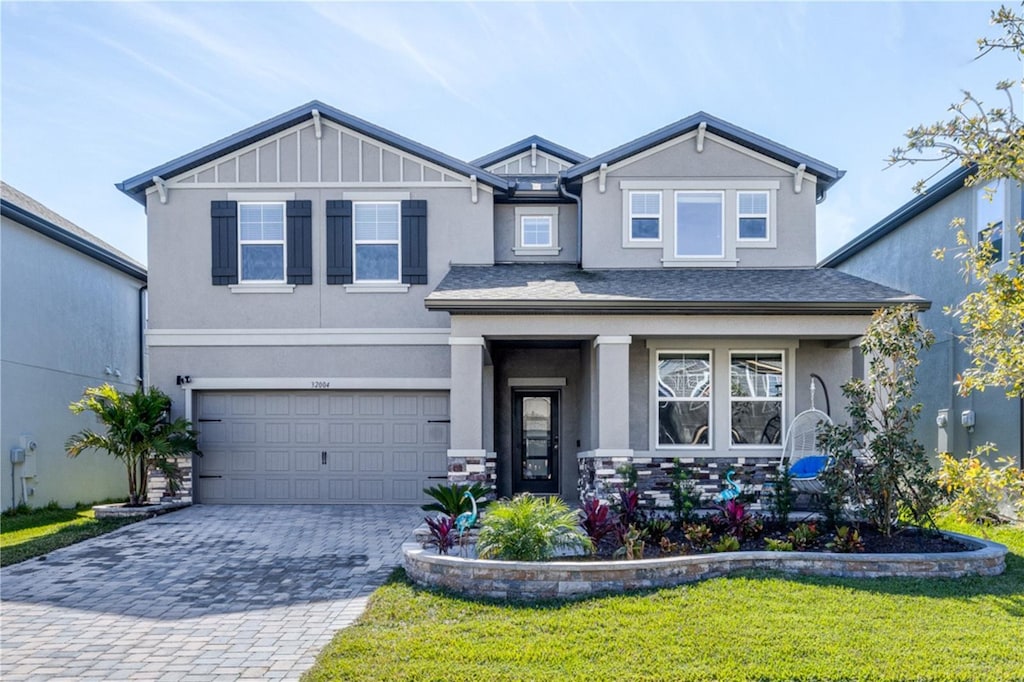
(535, 441)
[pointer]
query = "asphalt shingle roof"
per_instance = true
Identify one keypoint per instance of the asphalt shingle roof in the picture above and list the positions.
(551, 287)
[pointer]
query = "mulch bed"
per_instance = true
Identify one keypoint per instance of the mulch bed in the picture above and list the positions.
(903, 541)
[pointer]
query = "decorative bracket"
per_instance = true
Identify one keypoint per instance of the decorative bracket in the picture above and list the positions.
(161, 188)
(316, 123)
(701, 130)
(798, 179)
(533, 155)
(602, 176)
(473, 195)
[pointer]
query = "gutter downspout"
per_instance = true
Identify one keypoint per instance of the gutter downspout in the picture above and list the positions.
(579, 218)
(143, 292)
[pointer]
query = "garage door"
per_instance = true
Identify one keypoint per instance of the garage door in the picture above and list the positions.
(322, 447)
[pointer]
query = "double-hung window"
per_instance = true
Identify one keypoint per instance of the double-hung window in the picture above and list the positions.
(261, 242)
(752, 216)
(644, 216)
(700, 225)
(991, 207)
(755, 397)
(376, 236)
(684, 398)
(535, 231)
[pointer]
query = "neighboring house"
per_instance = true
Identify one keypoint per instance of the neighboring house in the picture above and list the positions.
(71, 319)
(897, 251)
(350, 316)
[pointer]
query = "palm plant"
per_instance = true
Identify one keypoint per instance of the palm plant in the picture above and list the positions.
(451, 498)
(139, 433)
(528, 528)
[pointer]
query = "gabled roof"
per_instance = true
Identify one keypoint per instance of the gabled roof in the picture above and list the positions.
(525, 145)
(827, 175)
(521, 288)
(136, 186)
(26, 211)
(913, 208)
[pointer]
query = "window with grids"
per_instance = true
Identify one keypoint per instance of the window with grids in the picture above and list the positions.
(699, 220)
(644, 216)
(752, 215)
(755, 397)
(535, 230)
(261, 242)
(376, 235)
(684, 398)
(990, 216)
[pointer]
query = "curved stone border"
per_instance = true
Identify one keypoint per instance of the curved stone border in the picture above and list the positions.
(122, 511)
(519, 580)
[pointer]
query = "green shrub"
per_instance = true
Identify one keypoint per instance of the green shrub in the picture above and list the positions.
(528, 528)
(976, 489)
(773, 545)
(685, 495)
(451, 498)
(782, 497)
(846, 541)
(728, 543)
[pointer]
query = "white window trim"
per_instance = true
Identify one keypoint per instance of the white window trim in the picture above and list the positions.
(390, 284)
(262, 288)
(550, 212)
(767, 215)
(675, 228)
(720, 416)
(781, 399)
(643, 241)
(284, 248)
(710, 400)
(522, 231)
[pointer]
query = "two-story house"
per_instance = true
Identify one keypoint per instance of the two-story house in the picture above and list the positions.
(897, 251)
(349, 315)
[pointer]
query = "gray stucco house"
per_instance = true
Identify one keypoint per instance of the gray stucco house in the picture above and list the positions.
(350, 316)
(897, 251)
(72, 318)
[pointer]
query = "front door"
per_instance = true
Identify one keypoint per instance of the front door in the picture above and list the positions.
(535, 423)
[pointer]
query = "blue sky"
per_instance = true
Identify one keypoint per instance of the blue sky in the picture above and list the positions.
(93, 93)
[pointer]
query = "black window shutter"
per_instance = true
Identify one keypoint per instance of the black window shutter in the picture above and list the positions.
(300, 241)
(224, 234)
(339, 242)
(414, 241)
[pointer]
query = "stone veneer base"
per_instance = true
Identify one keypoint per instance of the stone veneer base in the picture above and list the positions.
(121, 511)
(528, 581)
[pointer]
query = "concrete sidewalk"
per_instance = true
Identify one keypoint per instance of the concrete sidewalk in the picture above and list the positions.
(206, 593)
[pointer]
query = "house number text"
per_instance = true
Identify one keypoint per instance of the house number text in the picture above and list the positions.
(321, 384)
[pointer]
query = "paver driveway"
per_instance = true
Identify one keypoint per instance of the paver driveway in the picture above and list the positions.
(206, 593)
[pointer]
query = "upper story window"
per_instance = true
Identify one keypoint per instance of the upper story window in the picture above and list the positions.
(644, 216)
(376, 237)
(261, 242)
(684, 398)
(755, 397)
(990, 213)
(752, 216)
(699, 225)
(535, 230)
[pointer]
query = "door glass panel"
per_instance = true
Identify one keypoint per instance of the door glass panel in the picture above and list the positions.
(536, 438)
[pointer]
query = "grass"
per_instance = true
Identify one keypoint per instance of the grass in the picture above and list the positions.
(758, 626)
(28, 533)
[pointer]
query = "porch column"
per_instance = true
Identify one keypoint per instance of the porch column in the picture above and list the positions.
(467, 459)
(612, 409)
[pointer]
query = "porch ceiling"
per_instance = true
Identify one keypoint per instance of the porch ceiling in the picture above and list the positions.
(549, 288)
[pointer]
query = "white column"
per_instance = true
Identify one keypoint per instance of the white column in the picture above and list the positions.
(612, 409)
(467, 396)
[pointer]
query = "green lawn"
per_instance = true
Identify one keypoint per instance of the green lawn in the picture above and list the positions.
(28, 534)
(752, 627)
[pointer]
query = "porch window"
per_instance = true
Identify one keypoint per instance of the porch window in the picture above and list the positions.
(684, 399)
(755, 397)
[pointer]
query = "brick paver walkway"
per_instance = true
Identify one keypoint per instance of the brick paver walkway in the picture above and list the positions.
(206, 593)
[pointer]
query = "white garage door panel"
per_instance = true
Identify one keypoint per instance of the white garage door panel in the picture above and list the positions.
(322, 447)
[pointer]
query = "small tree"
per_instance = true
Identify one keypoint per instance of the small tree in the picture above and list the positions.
(139, 433)
(896, 475)
(991, 140)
